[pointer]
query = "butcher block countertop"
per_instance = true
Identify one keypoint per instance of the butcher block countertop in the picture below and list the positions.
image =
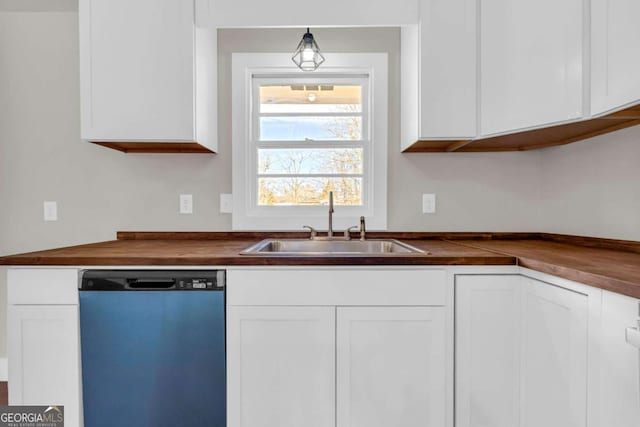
(613, 270)
(613, 265)
(163, 250)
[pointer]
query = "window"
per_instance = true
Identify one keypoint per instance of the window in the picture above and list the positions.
(311, 138)
(297, 136)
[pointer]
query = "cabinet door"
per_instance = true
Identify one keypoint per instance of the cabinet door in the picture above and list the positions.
(487, 350)
(554, 356)
(43, 350)
(447, 86)
(620, 376)
(391, 366)
(281, 366)
(615, 54)
(531, 63)
(137, 69)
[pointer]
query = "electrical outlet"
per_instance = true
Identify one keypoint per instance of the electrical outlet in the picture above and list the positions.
(226, 203)
(429, 203)
(50, 211)
(186, 204)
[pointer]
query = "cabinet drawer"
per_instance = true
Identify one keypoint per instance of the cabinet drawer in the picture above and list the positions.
(336, 286)
(47, 286)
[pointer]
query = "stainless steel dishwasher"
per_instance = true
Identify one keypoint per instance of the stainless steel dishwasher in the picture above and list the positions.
(153, 348)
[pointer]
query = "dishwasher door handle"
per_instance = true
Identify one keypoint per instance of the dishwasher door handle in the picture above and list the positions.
(633, 337)
(143, 284)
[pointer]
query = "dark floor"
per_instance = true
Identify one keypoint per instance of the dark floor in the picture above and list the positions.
(4, 396)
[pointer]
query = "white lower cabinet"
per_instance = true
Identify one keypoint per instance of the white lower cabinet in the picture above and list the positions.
(281, 366)
(327, 366)
(522, 352)
(391, 366)
(43, 357)
(620, 375)
(43, 339)
(487, 351)
(553, 368)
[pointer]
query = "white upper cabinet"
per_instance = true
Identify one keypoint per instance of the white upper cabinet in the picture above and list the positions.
(530, 63)
(439, 72)
(476, 72)
(148, 71)
(615, 54)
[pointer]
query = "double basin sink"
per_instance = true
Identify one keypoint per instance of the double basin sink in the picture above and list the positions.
(309, 247)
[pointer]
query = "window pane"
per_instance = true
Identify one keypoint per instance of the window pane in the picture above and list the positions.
(311, 99)
(295, 161)
(303, 191)
(314, 128)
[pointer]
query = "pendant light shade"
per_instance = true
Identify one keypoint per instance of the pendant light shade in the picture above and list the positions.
(307, 55)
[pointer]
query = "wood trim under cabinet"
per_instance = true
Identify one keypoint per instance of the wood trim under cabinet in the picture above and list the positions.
(155, 147)
(535, 138)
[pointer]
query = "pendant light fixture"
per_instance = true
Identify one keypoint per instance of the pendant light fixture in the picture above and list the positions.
(307, 55)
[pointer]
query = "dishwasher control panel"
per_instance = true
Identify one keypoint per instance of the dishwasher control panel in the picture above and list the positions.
(203, 283)
(152, 280)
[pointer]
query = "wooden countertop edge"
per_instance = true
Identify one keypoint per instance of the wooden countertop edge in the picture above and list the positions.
(241, 260)
(608, 283)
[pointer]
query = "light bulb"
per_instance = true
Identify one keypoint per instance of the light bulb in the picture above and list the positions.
(307, 54)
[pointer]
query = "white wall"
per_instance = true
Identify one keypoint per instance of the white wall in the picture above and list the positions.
(592, 188)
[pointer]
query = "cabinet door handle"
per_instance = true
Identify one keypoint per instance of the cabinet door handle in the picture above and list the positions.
(633, 337)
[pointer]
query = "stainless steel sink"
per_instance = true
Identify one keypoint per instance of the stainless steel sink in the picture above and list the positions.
(289, 247)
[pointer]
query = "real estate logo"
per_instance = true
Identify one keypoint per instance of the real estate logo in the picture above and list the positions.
(31, 416)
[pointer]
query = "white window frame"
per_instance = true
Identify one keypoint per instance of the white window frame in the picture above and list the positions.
(247, 70)
(364, 142)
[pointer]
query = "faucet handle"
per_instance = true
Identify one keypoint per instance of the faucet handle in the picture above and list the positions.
(347, 232)
(312, 230)
(363, 228)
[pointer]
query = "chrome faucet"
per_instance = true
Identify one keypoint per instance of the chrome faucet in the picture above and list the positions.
(330, 232)
(347, 232)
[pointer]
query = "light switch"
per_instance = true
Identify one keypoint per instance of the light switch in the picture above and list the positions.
(429, 203)
(186, 204)
(50, 211)
(226, 203)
